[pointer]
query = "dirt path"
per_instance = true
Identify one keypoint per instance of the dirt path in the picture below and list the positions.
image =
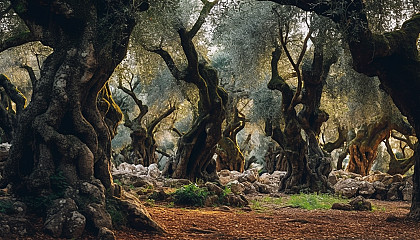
(282, 223)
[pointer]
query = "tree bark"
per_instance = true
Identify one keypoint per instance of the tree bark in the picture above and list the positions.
(229, 155)
(68, 125)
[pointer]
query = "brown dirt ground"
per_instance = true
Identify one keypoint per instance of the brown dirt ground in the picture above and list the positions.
(277, 222)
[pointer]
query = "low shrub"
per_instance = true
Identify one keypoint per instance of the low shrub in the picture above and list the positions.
(190, 195)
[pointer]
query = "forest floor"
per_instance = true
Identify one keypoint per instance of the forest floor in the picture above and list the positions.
(271, 220)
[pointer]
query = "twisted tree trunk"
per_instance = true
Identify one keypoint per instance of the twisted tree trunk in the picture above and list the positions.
(229, 155)
(196, 148)
(66, 129)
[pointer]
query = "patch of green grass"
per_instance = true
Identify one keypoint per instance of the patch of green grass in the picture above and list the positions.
(267, 199)
(375, 208)
(314, 201)
(258, 206)
(190, 195)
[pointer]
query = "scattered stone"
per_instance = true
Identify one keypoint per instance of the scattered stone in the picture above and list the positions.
(249, 188)
(394, 192)
(361, 204)
(213, 188)
(159, 195)
(236, 187)
(225, 208)
(250, 175)
(366, 189)
(153, 171)
(342, 206)
(407, 192)
(176, 183)
(262, 188)
(347, 187)
(143, 183)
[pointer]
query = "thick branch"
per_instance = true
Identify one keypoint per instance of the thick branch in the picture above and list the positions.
(155, 122)
(17, 97)
(143, 108)
(342, 137)
(202, 18)
(169, 63)
(31, 73)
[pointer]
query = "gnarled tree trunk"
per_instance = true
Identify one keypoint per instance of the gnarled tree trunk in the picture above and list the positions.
(363, 148)
(194, 158)
(308, 165)
(229, 155)
(142, 137)
(66, 129)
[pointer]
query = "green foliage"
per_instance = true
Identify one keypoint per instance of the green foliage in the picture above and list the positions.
(314, 201)
(191, 195)
(119, 218)
(6, 206)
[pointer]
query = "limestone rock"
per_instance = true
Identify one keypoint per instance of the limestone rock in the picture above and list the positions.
(236, 187)
(249, 188)
(176, 183)
(342, 206)
(211, 200)
(347, 187)
(394, 192)
(137, 216)
(366, 189)
(153, 171)
(250, 175)
(213, 188)
(361, 204)
(262, 188)
(74, 225)
(57, 215)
